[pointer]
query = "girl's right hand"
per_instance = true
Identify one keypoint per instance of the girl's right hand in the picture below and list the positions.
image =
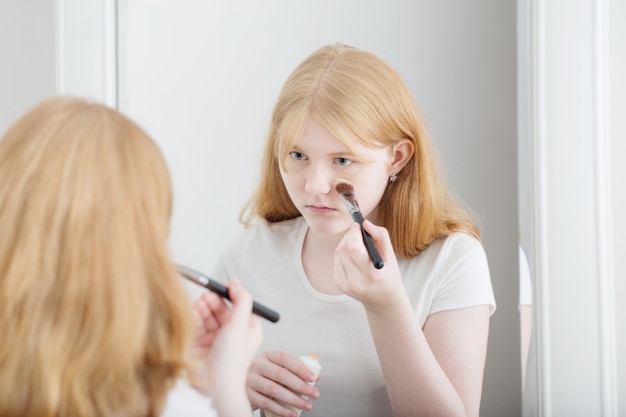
(277, 382)
(227, 338)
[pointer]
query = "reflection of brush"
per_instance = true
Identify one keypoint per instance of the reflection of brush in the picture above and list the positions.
(346, 191)
(222, 291)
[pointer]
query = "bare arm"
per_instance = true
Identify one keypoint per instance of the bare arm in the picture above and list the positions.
(434, 371)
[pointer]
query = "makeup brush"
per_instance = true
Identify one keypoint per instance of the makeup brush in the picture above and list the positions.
(219, 289)
(346, 191)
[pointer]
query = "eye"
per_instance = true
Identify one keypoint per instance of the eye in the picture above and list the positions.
(344, 162)
(299, 156)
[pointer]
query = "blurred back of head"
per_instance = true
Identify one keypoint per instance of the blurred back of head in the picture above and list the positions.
(94, 319)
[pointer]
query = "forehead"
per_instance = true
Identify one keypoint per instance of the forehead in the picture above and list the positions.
(314, 135)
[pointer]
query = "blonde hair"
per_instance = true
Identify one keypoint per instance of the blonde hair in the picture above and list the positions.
(94, 318)
(354, 93)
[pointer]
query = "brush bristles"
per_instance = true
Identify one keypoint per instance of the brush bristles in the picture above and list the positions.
(345, 188)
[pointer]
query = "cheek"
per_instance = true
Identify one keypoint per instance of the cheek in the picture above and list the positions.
(369, 189)
(371, 195)
(290, 180)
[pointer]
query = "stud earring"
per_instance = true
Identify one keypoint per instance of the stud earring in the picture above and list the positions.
(392, 178)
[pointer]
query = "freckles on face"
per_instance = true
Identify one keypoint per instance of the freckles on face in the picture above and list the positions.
(318, 159)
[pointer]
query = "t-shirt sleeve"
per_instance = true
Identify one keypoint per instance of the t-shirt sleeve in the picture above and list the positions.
(525, 285)
(228, 261)
(220, 272)
(465, 280)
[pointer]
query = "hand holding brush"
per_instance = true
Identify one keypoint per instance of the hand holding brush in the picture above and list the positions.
(346, 191)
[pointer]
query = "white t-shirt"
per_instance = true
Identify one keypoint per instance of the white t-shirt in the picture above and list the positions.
(451, 273)
(185, 401)
(525, 285)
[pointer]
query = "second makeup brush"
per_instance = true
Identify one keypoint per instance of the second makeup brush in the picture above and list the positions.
(222, 291)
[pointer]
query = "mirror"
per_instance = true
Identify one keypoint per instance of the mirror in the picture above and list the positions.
(202, 77)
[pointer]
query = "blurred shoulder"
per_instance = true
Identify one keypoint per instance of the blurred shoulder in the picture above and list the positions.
(184, 400)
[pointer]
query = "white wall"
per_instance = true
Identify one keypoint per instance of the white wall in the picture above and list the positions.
(27, 64)
(617, 179)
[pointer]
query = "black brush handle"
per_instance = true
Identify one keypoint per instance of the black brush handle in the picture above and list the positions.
(210, 284)
(372, 250)
(258, 309)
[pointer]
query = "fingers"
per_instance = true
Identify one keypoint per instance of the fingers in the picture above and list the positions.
(214, 311)
(351, 250)
(277, 382)
(288, 364)
(211, 312)
(242, 311)
(241, 299)
(380, 235)
(270, 405)
(356, 276)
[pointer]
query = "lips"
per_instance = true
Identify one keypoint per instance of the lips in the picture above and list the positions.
(320, 209)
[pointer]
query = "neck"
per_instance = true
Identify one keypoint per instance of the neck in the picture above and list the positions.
(318, 260)
(322, 243)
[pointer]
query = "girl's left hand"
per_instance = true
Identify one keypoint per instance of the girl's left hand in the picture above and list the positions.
(356, 276)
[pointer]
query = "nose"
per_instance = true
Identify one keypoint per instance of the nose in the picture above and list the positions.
(320, 179)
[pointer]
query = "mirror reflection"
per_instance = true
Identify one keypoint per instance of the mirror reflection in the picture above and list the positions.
(193, 77)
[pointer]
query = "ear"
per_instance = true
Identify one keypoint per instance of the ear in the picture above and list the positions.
(401, 153)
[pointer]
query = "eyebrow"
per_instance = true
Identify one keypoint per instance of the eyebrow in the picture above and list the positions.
(347, 153)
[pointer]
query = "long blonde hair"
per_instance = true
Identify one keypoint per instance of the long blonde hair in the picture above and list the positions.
(94, 320)
(354, 93)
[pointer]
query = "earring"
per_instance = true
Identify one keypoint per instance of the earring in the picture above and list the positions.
(392, 178)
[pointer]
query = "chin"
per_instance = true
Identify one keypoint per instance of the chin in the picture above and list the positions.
(325, 226)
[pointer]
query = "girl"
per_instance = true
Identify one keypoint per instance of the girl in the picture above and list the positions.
(409, 339)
